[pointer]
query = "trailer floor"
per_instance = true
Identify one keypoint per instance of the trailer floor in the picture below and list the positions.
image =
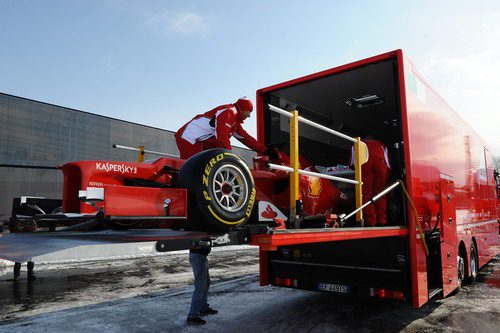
(153, 295)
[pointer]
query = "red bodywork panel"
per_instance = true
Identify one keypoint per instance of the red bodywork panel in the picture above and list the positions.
(144, 201)
(113, 176)
(457, 154)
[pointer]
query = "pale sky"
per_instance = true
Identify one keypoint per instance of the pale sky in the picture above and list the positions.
(159, 63)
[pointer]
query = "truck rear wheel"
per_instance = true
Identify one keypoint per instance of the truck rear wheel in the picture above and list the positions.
(473, 264)
(221, 192)
(460, 270)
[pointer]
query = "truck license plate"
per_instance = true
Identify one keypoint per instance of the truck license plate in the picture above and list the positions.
(336, 288)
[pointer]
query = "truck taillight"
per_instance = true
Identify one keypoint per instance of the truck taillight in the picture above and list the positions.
(385, 293)
(285, 282)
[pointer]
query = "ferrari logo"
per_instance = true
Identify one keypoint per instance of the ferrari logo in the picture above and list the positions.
(269, 213)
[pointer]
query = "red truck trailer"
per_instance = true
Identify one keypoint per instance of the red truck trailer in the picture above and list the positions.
(446, 166)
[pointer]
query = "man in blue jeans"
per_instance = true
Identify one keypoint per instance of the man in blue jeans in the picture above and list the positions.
(199, 306)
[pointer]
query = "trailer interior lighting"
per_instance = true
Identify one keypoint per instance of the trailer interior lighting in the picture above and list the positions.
(364, 101)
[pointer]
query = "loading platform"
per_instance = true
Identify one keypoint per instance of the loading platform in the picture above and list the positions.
(271, 241)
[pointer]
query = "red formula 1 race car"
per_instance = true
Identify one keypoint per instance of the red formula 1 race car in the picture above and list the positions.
(212, 191)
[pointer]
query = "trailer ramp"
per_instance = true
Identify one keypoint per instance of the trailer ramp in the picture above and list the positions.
(23, 247)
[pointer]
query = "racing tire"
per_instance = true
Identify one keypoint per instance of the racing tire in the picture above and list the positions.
(221, 190)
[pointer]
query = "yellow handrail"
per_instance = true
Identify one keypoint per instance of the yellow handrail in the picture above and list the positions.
(294, 164)
(140, 155)
(360, 154)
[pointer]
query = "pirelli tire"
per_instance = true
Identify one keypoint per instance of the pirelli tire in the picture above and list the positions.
(221, 190)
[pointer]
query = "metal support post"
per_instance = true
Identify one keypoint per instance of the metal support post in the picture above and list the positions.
(360, 152)
(140, 156)
(31, 270)
(17, 271)
(294, 164)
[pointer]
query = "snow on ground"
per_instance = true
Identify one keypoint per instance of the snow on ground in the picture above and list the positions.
(245, 306)
(110, 254)
(112, 290)
(63, 285)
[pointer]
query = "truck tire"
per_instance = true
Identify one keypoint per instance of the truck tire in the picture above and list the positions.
(460, 269)
(221, 191)
(474, 264)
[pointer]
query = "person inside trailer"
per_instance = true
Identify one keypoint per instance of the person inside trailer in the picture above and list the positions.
(214, 128)
(375, 173)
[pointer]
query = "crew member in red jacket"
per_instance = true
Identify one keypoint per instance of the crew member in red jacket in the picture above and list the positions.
(375, 173)
(213, 129)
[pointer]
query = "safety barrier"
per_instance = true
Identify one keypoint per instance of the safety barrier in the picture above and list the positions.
(360, 153)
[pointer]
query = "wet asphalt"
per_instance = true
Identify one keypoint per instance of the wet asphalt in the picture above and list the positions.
(153, 295)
